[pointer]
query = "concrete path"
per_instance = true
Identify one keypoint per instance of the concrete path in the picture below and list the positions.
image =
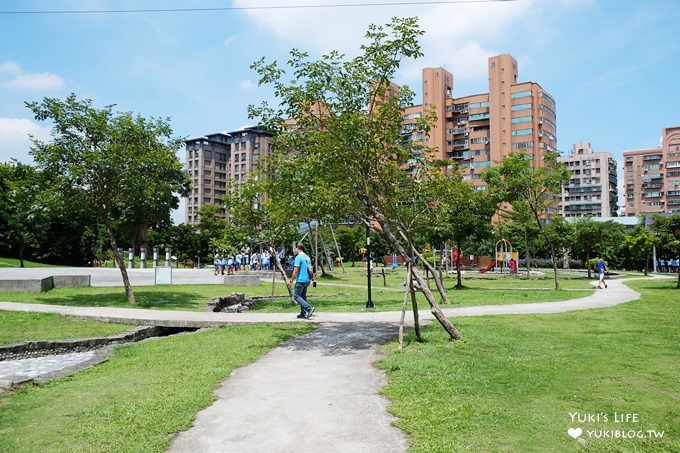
(315, 393)
(318, 392)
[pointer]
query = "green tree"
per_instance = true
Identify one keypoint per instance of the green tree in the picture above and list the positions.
(346, 152)
(597, 238)
(123, 167)
(520, 225)
(561, 233)
(515, 179)
(21, 217)
(668, 229)
(638, 245)
(464, 214)
(265, 222)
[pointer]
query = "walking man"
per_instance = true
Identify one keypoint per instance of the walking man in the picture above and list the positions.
(601, 268)
(301, 277)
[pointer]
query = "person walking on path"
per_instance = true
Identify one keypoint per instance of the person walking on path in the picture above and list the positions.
(601, 268)
(302, 277)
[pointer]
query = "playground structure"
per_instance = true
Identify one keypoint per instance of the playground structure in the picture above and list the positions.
(505, 257)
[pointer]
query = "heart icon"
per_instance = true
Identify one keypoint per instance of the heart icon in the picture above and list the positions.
(575, 432)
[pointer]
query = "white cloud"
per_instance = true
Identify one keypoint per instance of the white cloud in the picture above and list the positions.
(38, 82)
(247, 84)
(14, 138)
(458, 36)
(230, 40)
(10, 67)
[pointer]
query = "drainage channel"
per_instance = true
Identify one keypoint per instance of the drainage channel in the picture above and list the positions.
(41, 361)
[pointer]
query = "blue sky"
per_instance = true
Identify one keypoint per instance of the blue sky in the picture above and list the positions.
(612, 66)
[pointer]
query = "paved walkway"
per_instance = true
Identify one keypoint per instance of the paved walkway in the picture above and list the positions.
(318, 392)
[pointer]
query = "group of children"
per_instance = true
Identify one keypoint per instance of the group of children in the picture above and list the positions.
(670, 265)
(243, 260)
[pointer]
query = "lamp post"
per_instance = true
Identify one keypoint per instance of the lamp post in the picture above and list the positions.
(369, 303)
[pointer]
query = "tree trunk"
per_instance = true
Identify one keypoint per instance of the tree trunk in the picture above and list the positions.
(407, 289)
(438, 283)
(552, 249)
(121, 263)
(459, 283)
(528, 253)
(277, 264)
(398, 246)
(414, 303)
(588, 262)
(646, 262)
(442, 260)
(21, 257)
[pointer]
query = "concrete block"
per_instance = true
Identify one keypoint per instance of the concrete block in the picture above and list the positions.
(27, 285)
(241, 280)
(64, 281)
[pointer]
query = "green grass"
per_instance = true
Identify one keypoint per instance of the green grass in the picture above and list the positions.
(138, 399)
(337, 292)
(514, 380)
(16, 327)
(14, 262)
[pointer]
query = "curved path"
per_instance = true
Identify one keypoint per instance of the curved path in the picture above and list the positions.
(317, 392)
(617, 293)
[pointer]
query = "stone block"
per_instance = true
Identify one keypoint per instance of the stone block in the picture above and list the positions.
(64, 281)
(243, 279)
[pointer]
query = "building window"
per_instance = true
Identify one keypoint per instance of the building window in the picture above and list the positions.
(520, 132)
(518, 107)
(522, 119)
(521, 94)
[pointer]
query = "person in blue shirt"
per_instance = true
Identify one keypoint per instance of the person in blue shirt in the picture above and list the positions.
(301, 277)
(601, 268)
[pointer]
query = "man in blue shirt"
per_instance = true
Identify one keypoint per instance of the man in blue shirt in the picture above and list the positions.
(601, 268)
(301, 276)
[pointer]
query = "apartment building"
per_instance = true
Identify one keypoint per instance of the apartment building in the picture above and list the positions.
(220, 162)
(472, 132)
(477, 130)
(652, 176)
(592, 189)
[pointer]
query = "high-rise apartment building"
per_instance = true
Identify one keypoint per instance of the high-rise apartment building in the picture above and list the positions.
(472, 132)
(652, 176)
(477, 130)
(592, 187)
(218, 162)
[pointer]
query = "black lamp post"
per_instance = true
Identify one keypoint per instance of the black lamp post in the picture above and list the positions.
(369, 304)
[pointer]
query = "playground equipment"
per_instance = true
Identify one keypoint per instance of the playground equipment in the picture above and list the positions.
(455, 256)
(504, 256)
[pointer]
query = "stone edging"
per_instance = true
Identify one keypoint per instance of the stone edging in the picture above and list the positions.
(30, 349)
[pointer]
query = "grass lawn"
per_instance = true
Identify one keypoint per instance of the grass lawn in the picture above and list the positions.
(14, 262)
(514, 383)
(337, 292)
(136, 400)
(17, 326)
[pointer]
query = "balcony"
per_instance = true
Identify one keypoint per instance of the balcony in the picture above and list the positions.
(652, 157)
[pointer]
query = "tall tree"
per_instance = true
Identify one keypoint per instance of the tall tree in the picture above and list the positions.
(592, 237)
(515, 179)
(464, 214)
(115, 163)
(522, 223)
(20, 217)
(668, 229)
(638, 245)
(348, 140)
